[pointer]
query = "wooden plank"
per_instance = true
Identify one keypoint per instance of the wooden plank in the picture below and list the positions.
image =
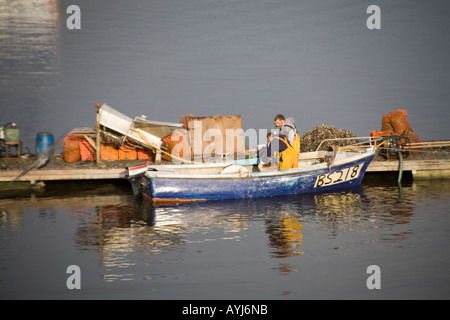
(431, 143)
(409, 165)
(420, 168)
(91, 142)
(97, 135)
(66, 174)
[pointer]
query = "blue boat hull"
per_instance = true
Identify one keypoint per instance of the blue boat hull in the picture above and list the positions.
(293, 181)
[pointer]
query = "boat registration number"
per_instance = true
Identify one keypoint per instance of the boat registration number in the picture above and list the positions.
(339, 176)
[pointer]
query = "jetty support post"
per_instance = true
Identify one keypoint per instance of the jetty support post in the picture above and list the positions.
(97, 132)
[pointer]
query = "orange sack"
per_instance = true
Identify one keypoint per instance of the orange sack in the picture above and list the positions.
(71, 149)
(413, 137)
(386, 124)
(399, 121)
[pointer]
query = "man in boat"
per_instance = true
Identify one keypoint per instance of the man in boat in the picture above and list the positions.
(288, 128)
(287, 155)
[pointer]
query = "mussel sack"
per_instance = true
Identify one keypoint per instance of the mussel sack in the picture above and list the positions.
(413, 137)
(399, 121)
(386, 123)
(71, 149)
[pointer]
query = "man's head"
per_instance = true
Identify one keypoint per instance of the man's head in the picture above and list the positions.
(279, 120)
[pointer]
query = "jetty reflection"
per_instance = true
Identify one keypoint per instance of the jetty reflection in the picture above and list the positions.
(125, 231)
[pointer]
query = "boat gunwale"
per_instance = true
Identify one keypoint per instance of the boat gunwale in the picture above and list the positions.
(370, 152)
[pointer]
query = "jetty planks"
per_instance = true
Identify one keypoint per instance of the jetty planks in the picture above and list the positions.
(431, 163)
(408, 165)
(64, 174)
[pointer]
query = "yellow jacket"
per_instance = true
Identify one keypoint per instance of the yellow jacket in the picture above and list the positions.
(288, 158)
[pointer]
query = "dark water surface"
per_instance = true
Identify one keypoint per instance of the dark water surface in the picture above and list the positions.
(313, 60)
(315, 246)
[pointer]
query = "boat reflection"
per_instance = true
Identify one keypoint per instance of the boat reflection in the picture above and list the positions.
(126, 231)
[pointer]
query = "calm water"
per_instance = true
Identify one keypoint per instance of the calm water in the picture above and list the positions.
(313, 60)
(302, 247)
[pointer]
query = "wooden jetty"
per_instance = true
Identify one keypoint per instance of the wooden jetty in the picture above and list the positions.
(430, 163)
(420, 169)
(64, 174)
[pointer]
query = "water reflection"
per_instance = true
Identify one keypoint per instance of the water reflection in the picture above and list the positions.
(140, 229)
(30, 38)
(127, 233)
(285, 235)
(30, 35)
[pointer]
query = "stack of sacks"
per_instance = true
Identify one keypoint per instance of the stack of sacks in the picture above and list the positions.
(397, 123)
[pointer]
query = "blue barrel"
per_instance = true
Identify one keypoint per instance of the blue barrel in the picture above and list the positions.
(44, 140)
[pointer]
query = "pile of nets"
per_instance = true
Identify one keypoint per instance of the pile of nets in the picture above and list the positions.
(312, 138)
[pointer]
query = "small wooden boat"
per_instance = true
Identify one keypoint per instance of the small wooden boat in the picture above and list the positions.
(318, 171)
